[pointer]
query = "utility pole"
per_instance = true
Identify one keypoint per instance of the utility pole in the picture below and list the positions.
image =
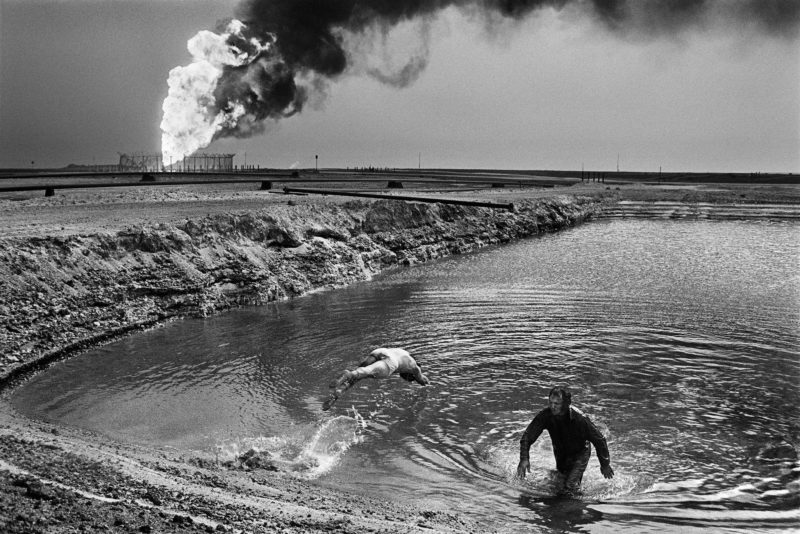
(419, 161)
(617, 161)
(316, 162)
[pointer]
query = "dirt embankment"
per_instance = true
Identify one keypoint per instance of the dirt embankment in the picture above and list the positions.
(65, 292)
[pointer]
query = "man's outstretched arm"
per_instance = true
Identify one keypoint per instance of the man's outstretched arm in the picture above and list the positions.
(601, 448)
(529, 437)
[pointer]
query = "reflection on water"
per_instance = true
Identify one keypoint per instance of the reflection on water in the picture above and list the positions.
(679, 339)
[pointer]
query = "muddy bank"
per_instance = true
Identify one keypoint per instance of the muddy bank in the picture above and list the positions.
(64, 293)
(64, 483)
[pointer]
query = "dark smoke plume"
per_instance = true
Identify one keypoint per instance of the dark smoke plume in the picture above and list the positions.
(307, 42)
(309, 39)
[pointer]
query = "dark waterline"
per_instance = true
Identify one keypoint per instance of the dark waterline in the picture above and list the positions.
(679, 338)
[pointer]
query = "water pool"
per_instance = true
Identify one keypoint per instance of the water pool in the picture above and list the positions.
(678, 338)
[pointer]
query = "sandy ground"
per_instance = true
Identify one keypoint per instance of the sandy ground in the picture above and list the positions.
(86, 211)
(66, 480)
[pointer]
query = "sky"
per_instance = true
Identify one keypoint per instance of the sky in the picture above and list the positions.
(83, 80)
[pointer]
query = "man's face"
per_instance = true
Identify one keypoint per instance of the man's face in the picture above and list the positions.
(556, 404)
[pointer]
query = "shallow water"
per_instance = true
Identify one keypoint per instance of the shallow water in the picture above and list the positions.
(679, 339)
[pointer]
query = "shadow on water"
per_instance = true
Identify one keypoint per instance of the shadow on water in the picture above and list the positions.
(559, 514)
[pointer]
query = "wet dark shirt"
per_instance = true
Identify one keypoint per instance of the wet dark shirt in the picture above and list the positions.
(570, 435)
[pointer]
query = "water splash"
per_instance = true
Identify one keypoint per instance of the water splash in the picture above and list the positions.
(306, 457)
(329, 444)
(235, 452)
(544, 481)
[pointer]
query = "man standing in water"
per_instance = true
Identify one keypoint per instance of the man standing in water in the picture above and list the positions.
(381, 363)
(571, 432)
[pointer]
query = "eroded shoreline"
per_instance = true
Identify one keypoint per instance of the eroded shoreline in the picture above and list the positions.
(72, 286)
(65, 293)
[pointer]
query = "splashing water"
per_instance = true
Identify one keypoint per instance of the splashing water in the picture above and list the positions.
(193, 116)
(329, 444)
(307, 458)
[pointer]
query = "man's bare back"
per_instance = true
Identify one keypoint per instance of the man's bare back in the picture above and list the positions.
(380, 363)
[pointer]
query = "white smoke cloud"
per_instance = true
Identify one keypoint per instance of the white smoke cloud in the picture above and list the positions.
(192, 116)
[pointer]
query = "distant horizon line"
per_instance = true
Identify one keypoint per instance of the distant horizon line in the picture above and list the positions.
(107, 167)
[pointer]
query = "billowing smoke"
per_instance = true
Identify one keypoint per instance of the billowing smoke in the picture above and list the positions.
(236, 81)
(266, 65)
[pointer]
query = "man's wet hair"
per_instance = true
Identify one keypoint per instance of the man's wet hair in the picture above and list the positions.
(563, 392)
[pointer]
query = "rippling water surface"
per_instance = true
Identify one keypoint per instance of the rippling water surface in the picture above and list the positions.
(679, 339)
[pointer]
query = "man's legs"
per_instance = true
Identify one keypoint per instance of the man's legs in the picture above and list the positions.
(379, 369)
(573, 475)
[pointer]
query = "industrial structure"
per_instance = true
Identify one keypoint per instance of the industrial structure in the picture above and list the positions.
(140, 161)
